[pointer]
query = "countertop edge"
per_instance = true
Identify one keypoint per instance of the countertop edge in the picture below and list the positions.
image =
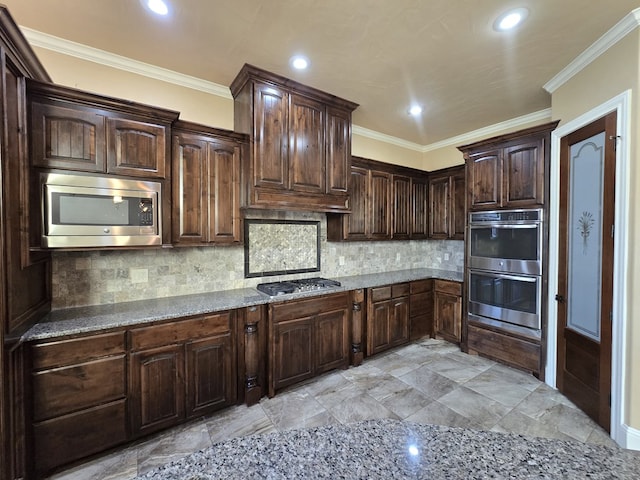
(79, 320)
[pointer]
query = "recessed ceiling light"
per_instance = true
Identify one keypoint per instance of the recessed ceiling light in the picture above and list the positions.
(415, 110)
(157, 6)
(510, 19)
(299, 62)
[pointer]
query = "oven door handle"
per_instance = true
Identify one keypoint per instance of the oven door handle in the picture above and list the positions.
(518, 278)
(509, 226)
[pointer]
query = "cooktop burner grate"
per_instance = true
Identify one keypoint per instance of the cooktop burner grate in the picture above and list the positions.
(294, 286)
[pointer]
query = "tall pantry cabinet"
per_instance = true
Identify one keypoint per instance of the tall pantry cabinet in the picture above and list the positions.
(24, 280)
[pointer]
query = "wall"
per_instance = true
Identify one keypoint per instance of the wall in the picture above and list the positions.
(609, 75)
(93, 278)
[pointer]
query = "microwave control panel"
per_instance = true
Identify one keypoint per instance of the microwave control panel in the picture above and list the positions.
(146, 212)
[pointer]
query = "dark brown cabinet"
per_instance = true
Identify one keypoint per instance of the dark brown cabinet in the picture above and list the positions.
(421, 309)
(447, 309)
(301, 143)
(206, 185)
(509, 171)
(447, 201)
(387, 202)
(181, 369)
(307, 337)
(79, 397)
(387, 317)
(75, 130)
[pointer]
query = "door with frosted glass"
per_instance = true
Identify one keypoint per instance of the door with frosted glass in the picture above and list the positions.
(585, 280)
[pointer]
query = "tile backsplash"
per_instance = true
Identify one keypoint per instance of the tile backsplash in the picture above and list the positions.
(102, 277)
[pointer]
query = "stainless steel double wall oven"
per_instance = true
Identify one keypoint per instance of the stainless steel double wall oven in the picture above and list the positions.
(505, 269)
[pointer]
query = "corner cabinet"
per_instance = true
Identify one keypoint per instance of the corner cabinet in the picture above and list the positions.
(307, 337)
(509, 171)
(206, 185)
(300, 143)
(388, 202)
(447, 201)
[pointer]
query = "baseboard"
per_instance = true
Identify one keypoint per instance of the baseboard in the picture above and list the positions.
(630, 438)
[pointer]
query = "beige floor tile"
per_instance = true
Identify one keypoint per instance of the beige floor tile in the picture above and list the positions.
(121, 465)
(361, 407)
(479, 409)
(406, 402)
(430, 383)
(438, 414)
(238, 421)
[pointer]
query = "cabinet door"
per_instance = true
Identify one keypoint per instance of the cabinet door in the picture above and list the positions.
(378, 318)
(448, 315)
(357, 220)
(439, 207)
(332, 340)
(380, 205)
(224, 192)
(401, 207)
(524, 174)
(66, 138)
(190, 199)
(306, 145)
(156, 396)
(292, 354)
(210, 374)
(399, 321)
(136, 148)
(485, 177)
(458, 206)
(270, 148)
(338, 142)
(419, 208)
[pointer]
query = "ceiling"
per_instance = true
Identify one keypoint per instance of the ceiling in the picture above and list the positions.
(382, 54)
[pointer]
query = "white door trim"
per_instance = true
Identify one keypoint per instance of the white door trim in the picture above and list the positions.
(620, 433)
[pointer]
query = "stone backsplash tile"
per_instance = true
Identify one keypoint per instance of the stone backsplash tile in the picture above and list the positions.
(95, 278)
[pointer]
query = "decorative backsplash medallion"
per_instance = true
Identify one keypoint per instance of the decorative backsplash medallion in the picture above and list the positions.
(278, 247)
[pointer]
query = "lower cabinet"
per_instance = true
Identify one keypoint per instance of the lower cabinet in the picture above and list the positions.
(307, 337)
(421, 309)
(181, 370)
(78, 388)
(387, 317)
(447, 309)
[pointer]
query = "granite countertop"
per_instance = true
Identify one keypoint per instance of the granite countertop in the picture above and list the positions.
(59, 323)
(392, 449)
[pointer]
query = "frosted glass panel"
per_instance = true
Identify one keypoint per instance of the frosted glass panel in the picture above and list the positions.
(585, 236)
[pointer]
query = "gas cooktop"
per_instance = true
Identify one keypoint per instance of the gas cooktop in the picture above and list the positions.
(295, 286)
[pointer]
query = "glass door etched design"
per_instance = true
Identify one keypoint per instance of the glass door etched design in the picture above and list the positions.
(586, 179)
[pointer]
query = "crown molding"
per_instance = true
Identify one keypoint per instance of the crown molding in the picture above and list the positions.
(491, 130)
(84, 52)
(383, 137)
(620, 30)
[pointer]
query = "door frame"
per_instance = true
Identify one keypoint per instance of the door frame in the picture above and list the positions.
(620, 432)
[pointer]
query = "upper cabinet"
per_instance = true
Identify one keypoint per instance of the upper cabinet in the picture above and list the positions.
(447, 195)
(206, 185)
(300, 143)
(75, 130)
(387, 202)
(509, 171)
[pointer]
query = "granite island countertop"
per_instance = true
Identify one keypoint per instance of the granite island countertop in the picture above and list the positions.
(71, 321)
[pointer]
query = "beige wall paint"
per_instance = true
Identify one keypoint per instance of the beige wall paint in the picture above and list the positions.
(193, 105)
(608, 76)
(367, 147)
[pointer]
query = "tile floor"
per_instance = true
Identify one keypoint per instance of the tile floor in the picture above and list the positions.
(430, 381)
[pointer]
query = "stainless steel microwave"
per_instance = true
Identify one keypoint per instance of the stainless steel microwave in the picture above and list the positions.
(97, 211)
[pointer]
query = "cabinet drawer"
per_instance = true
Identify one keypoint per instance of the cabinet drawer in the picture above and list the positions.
(380, 293)
(421, 304)
(400, 290)
(67, 389)
(76, 350)
(309, 307)
(444, 286)
(513, 351)
(421, 286)
(180, 331)
(71, 437)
